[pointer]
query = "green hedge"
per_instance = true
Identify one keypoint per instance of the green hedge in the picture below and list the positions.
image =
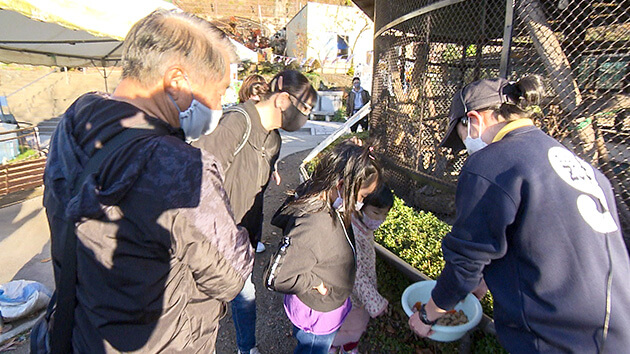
(25, 154)
(416, 237)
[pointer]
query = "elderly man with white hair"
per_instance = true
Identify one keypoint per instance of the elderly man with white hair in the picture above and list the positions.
(156, 253)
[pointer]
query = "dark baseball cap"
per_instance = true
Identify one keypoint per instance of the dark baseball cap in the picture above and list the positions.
(474, 96)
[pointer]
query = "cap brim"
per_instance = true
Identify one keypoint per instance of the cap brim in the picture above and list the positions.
(451, 139)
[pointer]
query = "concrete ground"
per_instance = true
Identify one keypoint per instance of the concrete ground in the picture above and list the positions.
(25, 245)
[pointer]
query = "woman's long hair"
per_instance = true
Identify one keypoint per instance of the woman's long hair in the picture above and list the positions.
(347, 162)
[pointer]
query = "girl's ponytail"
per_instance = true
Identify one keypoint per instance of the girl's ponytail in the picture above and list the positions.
(523, 95)
(531, 90)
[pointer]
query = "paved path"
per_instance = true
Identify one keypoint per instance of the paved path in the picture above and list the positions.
(306, 138)
(24, 243)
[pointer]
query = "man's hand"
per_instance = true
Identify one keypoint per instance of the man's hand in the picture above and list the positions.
(481, 289)
(321, 289)
(418, 327)
(433, 313)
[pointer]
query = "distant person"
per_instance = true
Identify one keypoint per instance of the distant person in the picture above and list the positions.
(315, 265)
(535, 223)
(366, 300)
(158, 250)
(357, 98)
(247, 144)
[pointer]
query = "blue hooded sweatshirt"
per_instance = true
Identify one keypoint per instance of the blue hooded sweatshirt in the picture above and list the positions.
(540, 226)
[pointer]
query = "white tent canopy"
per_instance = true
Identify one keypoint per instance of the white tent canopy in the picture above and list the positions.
(245, 53)
(68, 32)
(73, 32)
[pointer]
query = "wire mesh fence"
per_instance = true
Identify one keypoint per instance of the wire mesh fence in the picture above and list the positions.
(427, 50)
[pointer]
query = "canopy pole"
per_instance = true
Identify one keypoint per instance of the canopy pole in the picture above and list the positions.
(105, 79)
(105, 75)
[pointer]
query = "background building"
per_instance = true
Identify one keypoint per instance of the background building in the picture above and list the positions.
(339, 37)
(272, 15)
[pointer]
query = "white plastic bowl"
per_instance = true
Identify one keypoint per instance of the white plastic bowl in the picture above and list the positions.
(421, 291)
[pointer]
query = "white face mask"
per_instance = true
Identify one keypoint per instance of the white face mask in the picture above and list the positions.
(338, 204)
(474, 144)
(198, 119)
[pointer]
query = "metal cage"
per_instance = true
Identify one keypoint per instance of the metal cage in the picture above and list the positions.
(426, 50)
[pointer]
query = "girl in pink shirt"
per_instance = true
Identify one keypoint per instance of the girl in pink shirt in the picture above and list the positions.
(366, 300)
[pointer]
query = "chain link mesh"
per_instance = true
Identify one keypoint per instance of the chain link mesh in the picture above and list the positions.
(580, 47)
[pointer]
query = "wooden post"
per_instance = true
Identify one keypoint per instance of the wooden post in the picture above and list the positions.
(4, 180)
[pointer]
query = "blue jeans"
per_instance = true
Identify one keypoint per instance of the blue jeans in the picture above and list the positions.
(244, 316)
(309, 343)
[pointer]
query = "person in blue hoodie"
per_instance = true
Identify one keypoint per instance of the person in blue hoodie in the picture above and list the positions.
(537, 224)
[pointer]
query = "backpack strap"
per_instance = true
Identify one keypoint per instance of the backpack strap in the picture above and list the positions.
(61, 336)
(248, 130)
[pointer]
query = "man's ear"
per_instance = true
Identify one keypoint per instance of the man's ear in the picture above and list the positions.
(477, 117)
(176, 84)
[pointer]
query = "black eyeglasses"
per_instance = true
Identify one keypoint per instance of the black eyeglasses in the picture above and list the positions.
(308, 107)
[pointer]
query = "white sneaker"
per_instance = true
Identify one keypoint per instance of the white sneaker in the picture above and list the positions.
(260, 248)
(254, 350)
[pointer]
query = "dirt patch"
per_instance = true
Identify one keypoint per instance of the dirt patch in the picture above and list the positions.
(273, 328)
